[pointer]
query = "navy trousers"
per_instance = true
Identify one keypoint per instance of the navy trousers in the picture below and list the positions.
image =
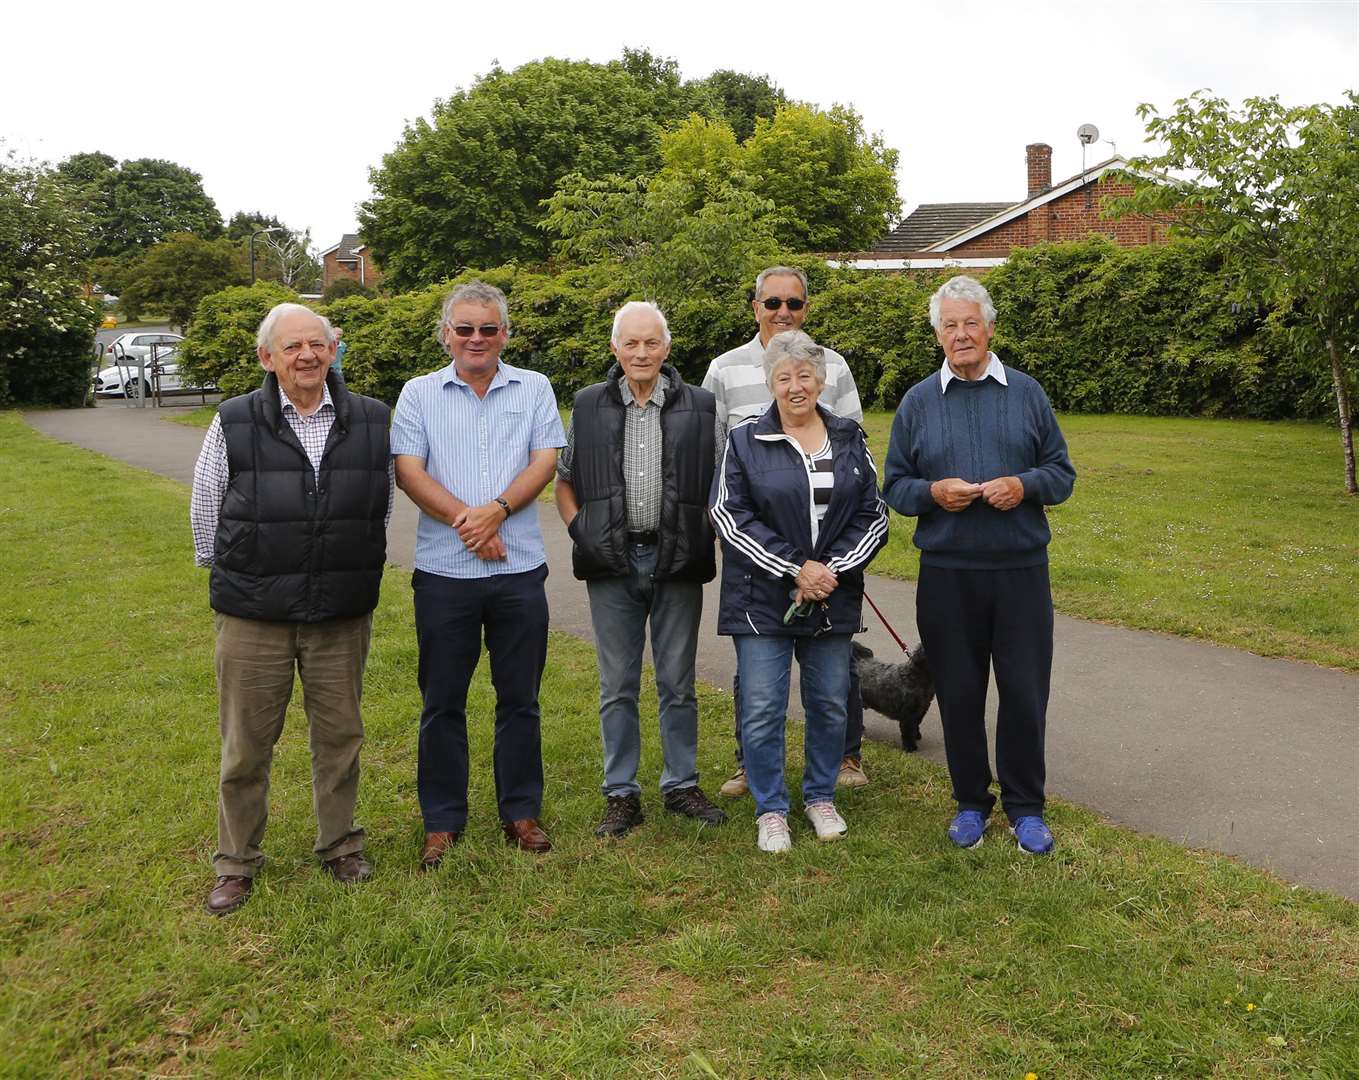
(969, 621)
(451, 615)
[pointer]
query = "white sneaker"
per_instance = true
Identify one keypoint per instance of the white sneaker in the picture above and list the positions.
(826, 820)
(774, 835)
(736, 787)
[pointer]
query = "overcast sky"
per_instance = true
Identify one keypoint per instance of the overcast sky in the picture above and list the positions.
(283, 108)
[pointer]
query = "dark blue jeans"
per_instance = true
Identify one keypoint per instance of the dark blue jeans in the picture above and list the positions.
(450, 617)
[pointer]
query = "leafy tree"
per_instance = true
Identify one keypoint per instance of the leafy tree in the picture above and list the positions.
(741, 100)
(466, 188)
(138, 203)
(46, 325)
(1277, 195)
(176, 274)
(835, 188)
(245, 222)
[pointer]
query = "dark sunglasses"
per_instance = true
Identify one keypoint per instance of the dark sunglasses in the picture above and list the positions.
(485, 329)
(773, 303)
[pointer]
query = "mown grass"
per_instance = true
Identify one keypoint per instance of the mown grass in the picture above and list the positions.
(677, 952)
(1233, 531)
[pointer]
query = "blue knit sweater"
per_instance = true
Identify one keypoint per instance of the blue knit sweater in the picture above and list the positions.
(978, 431)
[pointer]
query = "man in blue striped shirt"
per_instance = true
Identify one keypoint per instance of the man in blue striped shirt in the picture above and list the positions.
(475, 442)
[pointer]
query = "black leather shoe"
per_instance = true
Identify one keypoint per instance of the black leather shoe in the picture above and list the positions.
(690, 802)
(349, 869)
(623, 814)
(230, 892)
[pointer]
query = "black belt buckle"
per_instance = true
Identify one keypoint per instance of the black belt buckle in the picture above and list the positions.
(645, 538)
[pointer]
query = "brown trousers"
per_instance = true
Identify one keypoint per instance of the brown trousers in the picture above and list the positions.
(255, 666)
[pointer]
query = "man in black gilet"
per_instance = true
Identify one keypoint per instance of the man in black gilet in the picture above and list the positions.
(291, 497)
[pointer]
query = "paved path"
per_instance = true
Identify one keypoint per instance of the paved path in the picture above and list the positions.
(1207, 746)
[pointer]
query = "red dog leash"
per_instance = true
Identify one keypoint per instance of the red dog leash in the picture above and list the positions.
(883, 619)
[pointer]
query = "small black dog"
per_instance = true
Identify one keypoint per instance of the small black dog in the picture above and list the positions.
(901, 692)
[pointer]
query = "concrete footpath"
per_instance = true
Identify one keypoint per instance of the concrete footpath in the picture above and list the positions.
(1207, 746)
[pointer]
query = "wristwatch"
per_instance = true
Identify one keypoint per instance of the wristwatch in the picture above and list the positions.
(503, 505)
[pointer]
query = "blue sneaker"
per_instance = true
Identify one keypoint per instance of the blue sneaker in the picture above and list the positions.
(1033, 836)
(967, 827)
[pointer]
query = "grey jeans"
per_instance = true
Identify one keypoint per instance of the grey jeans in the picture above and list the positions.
(620, 609)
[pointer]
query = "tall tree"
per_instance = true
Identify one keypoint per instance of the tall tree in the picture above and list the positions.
(46, 325)
(1277, 194)
(742, 99)
(138, 203)
(245, 222)
(174, 275)
(466, 188)
(834, 186)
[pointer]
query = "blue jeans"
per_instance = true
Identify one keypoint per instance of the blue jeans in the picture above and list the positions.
(764, 666)
(854, 712)
(620, 608)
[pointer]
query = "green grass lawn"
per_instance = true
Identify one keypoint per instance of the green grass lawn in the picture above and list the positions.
(1233, 531)
(677, 952)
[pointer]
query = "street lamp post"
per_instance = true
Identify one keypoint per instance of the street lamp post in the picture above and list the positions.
(258, 232)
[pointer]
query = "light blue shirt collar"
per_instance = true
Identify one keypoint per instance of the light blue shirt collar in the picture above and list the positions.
(504, 374)
(994, 370)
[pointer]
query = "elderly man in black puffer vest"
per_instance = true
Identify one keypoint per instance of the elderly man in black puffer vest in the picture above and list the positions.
(291, 498)
(632, 487)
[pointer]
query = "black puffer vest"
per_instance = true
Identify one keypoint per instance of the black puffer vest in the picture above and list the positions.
(685, 542)
(291, 547)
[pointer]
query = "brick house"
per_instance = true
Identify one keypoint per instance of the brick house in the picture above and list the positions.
(982, 234)
(349, 258)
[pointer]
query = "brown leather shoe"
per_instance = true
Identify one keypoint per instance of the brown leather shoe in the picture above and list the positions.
(436, 847)
(230, 892)
(527, 835)
(349, 869)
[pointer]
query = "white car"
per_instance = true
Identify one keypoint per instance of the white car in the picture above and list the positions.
(118, 380)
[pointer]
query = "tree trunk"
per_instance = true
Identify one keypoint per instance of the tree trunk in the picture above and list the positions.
(1342, 403)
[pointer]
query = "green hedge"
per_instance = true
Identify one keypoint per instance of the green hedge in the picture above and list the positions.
(1105, 329)
(42, 364)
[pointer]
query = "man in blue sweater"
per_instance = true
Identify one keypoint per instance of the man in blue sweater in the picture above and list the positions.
(976, 455)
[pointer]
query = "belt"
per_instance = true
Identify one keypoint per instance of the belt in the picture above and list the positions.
(648, 538)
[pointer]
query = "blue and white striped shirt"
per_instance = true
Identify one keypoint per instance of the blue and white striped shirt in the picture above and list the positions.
(475, 447)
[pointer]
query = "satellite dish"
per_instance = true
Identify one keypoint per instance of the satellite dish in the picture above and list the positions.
(1087, 133)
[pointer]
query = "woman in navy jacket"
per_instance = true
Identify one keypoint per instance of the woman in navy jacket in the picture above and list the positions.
(796, 505)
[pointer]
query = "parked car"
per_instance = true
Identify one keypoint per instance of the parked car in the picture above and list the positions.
(137, 344)
(117, 380)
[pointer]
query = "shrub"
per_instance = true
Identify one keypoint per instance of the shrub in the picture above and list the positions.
(220, 345)
(1106, 329)
(343, 287)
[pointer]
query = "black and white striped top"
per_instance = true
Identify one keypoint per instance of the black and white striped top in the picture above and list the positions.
(820, 466)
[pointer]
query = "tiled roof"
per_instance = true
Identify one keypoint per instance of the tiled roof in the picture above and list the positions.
(931, 222)
(349, 241)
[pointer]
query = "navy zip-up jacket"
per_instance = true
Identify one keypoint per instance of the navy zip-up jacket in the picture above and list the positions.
(761, 506)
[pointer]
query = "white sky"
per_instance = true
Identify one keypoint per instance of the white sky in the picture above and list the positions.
(283, 108)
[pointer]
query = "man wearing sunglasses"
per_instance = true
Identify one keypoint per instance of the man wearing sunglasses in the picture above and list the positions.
(737, 380)
(475, 442)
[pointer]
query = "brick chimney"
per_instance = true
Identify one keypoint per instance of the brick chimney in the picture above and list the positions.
(1038, 156)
